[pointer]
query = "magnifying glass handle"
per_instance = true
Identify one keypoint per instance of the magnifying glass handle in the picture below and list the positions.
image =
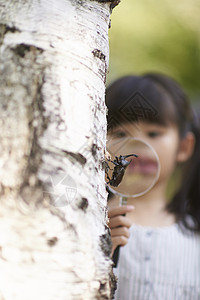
(116, 254)
(123, 201)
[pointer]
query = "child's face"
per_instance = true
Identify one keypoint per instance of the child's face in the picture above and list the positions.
(164, 139)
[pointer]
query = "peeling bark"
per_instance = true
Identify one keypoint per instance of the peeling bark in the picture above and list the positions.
(53, 61)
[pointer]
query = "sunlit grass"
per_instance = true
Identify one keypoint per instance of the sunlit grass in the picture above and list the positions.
(162, 36)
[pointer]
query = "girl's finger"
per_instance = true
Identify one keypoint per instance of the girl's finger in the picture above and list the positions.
(118, 241)
(121, 231)
(120, 210)
(119, 221)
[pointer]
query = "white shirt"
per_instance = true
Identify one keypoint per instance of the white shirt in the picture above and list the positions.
(159, 264)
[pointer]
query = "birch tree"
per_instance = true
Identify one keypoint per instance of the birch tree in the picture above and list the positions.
(54, 241)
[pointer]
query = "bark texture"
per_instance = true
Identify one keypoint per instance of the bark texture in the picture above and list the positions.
(54, 242)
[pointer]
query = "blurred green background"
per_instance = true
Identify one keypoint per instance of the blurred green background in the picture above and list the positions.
(153, 35)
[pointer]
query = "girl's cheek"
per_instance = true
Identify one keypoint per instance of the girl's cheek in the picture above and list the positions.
(166, 148)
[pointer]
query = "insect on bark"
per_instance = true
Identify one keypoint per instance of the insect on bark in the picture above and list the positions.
(121, 164)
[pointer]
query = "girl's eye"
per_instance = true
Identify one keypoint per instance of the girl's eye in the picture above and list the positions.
(153, 134)
(119, 134)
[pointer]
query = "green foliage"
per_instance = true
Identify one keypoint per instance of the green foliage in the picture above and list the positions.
(161, 36)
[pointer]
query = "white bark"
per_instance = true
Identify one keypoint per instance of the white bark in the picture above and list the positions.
(53, 63)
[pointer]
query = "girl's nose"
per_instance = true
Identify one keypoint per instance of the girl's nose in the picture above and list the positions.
(139, 134)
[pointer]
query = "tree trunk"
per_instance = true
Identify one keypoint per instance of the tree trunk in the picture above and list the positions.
(54, 242)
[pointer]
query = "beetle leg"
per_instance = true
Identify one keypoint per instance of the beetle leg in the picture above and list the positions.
(108, 178)
(116, 159)
(106, 171)
(106, 166)
(115, 163)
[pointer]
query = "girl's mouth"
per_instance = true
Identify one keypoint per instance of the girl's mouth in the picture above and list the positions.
(143, 165)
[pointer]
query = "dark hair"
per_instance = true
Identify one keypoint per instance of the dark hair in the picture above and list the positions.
(157, 98)
(186, 201)
(151, 98)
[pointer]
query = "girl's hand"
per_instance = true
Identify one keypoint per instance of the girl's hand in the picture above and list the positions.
(119, 225)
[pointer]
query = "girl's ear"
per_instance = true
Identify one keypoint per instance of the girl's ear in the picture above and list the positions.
(186, 147)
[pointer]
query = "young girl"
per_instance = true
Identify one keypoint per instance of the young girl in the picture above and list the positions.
(160, 240)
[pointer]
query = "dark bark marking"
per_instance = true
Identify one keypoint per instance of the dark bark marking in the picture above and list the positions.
(103, 74)
(52, 241)
(35, 154)
(105, 242)
(22, 49)
(4, 29)
(94, 149)
(35, 157)
(32, 75)
(113, 3)
(83, 204)
(106, 247)
(102, 292)
(77, 156)
(97, 53)
(113, 284)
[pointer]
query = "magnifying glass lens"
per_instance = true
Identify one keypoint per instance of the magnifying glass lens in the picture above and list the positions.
(141, 173)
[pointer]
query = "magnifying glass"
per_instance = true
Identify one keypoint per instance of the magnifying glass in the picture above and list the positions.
(140, 174)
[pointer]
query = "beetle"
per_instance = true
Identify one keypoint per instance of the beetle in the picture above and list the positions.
(121, 164)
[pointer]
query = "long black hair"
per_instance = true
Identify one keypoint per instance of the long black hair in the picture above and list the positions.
(157, 98)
